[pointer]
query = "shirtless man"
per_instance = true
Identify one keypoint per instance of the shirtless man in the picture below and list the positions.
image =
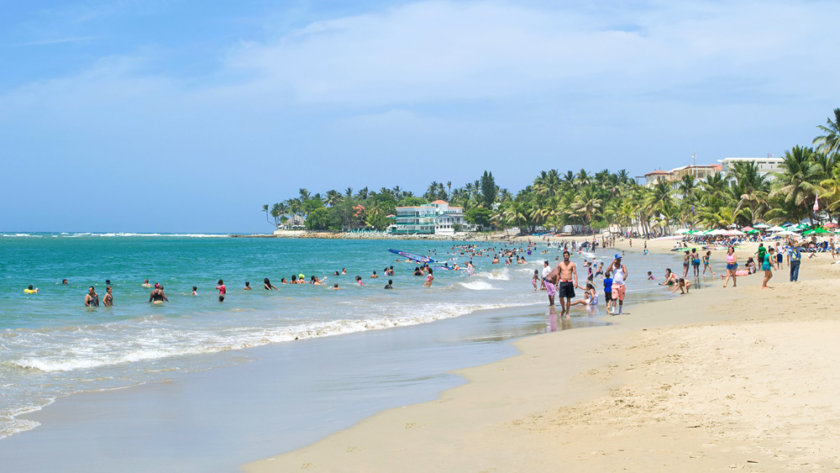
(567, 283)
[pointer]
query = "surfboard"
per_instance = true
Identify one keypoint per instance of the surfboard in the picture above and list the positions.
(412, 256)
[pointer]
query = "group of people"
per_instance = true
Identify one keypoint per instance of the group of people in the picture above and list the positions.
(562, 281)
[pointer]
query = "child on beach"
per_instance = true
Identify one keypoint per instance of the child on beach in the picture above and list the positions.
(534, 279)
(682, 285)
(650, 276)
(608, 290)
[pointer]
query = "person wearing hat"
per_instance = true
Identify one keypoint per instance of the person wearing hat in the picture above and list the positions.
(619, 274)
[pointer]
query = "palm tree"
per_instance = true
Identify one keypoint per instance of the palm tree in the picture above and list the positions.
(797, 183)
(265, 209)
(686, 187)
(830, 191)
(751, 190)
(333, 198)
(586, 204)
(829, 143)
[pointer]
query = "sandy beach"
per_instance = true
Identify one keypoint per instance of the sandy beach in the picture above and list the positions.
(719, 379)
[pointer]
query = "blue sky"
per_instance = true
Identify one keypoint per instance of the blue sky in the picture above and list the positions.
(168, 115)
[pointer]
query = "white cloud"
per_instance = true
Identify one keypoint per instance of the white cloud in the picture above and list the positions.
(443, 51)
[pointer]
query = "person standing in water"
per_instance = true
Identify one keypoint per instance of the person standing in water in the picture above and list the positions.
(109, 297)
(158, 296)
(222, 290)
(620, 274)
(568, 281)
(429, 279)
(91, 298)
(267, 285)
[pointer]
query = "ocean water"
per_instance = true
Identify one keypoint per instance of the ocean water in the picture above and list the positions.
(52, 347)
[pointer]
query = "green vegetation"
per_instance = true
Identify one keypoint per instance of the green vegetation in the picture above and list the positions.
(590, 202)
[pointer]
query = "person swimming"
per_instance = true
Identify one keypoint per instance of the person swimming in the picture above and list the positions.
(31, 290)
(390, 284)
(267, 285)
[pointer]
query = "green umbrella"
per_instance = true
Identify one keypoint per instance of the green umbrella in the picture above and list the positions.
(821, 230)
(808, 232)
(752, 232)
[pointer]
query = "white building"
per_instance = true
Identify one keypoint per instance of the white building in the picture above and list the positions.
(766, 165)
(434, 218)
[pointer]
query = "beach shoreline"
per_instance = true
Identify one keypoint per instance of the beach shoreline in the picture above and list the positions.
(730, 384)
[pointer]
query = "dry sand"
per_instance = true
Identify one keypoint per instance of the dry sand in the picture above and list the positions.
(717, 380)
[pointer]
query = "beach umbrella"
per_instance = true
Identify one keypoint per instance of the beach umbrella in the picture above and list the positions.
(830, 225)
(776, 229)
(761, 225)
(747, 229)
(808, 232)
(682, 230)
(821, 231)
(786, 233)
(752, 232)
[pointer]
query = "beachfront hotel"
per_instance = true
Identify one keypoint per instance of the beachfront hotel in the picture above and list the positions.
(699, 171)
(436, 218)
(766, 166)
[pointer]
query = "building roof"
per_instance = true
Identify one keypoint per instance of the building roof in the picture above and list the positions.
(765, 158)
(441, 202)
(657, 172)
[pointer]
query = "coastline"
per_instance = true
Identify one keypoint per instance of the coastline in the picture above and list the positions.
(717, 379)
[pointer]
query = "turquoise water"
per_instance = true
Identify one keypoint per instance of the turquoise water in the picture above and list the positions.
(51, 346)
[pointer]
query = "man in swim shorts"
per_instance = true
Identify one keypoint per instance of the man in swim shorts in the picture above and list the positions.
(619, 272)
(566, 284)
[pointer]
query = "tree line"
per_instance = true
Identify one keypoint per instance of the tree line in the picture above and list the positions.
(592, 201)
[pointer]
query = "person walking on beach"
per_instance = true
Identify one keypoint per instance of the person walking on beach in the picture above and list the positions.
(620, 274)
(108, 300)
(91, 298)
(731, 267)
(767, 267)
(794, 259)
(568, 281)
(706, 260)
